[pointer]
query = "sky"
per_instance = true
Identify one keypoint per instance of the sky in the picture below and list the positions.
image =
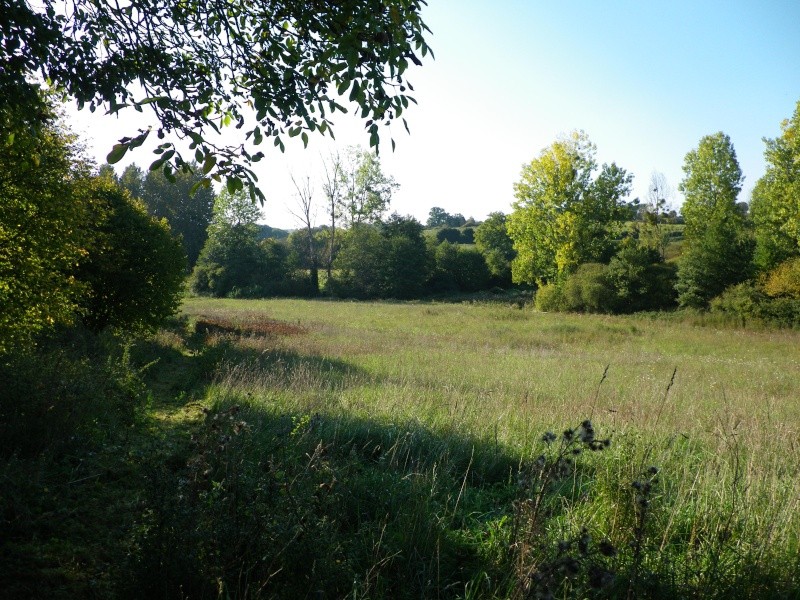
(646, 80)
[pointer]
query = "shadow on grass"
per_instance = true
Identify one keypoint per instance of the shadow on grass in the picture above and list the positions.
(242, 499)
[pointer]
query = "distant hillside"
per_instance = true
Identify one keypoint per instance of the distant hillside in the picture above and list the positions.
(265, 231)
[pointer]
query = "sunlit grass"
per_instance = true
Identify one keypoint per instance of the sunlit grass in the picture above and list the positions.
(715, 409)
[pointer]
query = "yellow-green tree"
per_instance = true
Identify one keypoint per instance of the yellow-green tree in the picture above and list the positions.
(42, 217)
(563, 217)
(775, 205)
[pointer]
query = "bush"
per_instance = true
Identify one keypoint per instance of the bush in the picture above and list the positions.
(42, 225)
(742, 301)
(448, 234)
(784, 280)
(748, 302)
(589, 290)
(550, 298)
(71, 393)
(640, 280)
(458, 269)
(235, 264)
(135, 268)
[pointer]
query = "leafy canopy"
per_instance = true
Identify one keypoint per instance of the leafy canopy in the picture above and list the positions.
(275, 69)
(717, 252)
(776, 198)
(562, 217)
(42, 225)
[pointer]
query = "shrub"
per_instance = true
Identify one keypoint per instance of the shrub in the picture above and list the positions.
(640, 280)
(549, 298)
(448, 234)
(743, 301)
(748, 302)
(784, 280)
(134, 269)
(42, 233)
(589, 290)
(458, 269)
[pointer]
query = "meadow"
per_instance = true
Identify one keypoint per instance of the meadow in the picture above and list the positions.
(472, 449)
(467, 391)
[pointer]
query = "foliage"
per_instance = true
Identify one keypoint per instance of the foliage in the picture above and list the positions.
(550, 298)
(562, 217)
(233, 262)
(183, 202)
(641, 280)
(298, 245)
(458, 269)
(439, 217)
(386, 261)
(448, 234)
(634, 280)
(68, 394)
(284, 63)
(492, 240)
(784, 280)
(748, 302)
(367, 191)
(717, 250)
(42, 224)
(359, 264)
(589, 290)
(134, 269)
(775, 206)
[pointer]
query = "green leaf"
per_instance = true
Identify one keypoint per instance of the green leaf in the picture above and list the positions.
(160, 162)
(209, 163)
(304, 137)
(116, 154)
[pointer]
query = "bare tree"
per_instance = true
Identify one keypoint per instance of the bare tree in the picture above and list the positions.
(306, 214)
(659, 195)
(333, 189)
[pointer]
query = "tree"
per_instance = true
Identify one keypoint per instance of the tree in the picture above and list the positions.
(437, 217)
(134, 269)
(651, 231)
(275, 69)
(233, 262)
(382, 261)
(562, 217)
(458, 269)
(717, 252)
(332, 187)
(183, 202)
(367, 191)
(42, 224)
(491, 239)
(305, 214)
(775, 205)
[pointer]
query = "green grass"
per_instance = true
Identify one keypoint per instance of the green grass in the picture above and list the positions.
(313, 448)
(496, 376)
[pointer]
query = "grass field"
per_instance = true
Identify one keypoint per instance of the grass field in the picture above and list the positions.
(326, 449)
(715, 410)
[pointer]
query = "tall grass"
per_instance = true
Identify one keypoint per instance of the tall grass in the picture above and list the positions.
(714, 409)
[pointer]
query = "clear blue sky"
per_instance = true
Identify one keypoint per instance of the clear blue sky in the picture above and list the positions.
(645, 80)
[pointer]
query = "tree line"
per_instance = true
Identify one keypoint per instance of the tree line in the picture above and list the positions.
(569, 229)
(114, 249)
